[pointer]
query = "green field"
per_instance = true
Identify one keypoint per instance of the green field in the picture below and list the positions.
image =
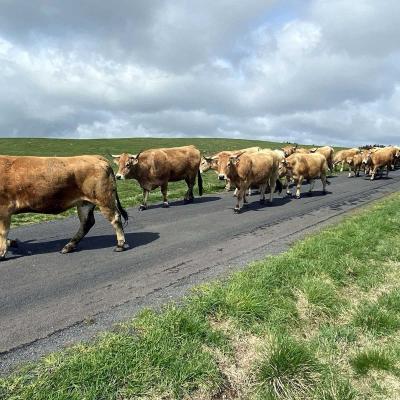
(129, 191)
(319, 322)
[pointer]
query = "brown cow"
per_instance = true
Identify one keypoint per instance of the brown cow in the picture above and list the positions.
(258, 169)
(305, 166)
(156, 167)
(327, 152)
(341, 156)
(379, 159)
(52, 185)
(219, 163)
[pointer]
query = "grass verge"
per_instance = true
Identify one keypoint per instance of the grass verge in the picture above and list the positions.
(321, 321)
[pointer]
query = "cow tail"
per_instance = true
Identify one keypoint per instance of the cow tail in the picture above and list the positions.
(121, 209)
(200, 182)
(279, 185)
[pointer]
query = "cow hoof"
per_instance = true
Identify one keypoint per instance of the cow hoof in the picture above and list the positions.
(119, 248)
(165, 205)
(187, 201)
(297, 196)
(13, 243)
(69, 248)
(236, 210)
(142, 207)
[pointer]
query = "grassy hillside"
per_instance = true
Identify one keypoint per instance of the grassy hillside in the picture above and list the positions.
(129, 191)
(320, 322)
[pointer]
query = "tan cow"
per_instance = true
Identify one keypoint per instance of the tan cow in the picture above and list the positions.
(156, 167)
(302, 150)
(305, 166)
(258, 169)
(327, 152)
(341, 156)
(52, 185)
(379, 159)
(289, 150)
(219, 163)
(355, 164)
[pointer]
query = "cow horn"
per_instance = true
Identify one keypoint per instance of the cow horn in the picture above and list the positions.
(115, 155)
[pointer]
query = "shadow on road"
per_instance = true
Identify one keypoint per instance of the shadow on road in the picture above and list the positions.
(134, 240)
(257, 206)
(197, 200)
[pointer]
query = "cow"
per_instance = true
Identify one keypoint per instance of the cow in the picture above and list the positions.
(52, 185)
(379, 159)
(341, 156)
(355, 163)
(305, 166)
(289, 150)
(219, 163)
(327, 152)
(156, 167)
(258, 169)
(302, 150)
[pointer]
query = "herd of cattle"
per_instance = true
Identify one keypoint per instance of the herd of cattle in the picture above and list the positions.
(54, 184)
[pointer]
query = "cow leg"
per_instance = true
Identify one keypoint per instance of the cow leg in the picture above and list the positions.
(263, 188)
(288, 190)
(164, 191)
(143, 206)
(312, 183)
(298, 186)
(112, 215)
(342, 167)
(228, 185)
(86, 218)
(5, 222)
(189, 197)
(373, 173)
(272, 186)
(324, 182)
(235, 192)
(240, 196)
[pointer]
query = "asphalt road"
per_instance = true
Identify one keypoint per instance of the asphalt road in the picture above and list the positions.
(49, 300)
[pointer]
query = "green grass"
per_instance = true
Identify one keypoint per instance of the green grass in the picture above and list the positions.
(374, 359)
(321, 321)
(129, 191)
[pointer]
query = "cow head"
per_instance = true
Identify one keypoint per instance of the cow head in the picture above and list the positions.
(233, 162)
(313, 150)
(288, 150)
(366, 157)
(207, 163)
(222, 164)
(126, 165)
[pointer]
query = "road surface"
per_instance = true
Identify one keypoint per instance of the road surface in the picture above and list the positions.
(49, 300)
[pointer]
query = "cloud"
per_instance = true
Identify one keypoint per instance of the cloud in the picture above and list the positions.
(313, 72)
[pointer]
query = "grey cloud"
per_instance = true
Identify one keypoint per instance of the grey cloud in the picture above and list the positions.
(323, 71)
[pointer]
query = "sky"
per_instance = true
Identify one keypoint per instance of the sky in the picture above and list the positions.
(306, 71)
